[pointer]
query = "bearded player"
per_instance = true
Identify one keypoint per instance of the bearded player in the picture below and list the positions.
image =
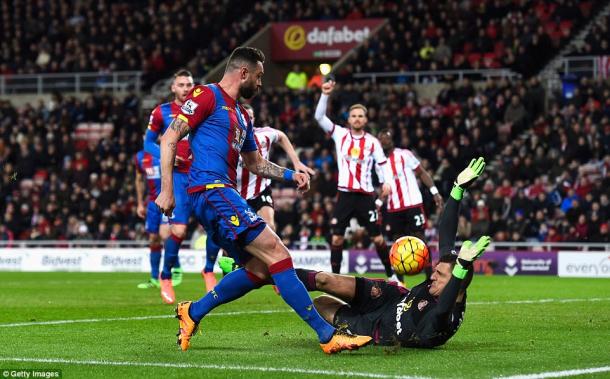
(220, 131)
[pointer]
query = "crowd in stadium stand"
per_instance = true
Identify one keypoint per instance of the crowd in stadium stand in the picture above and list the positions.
(155, 36)
(149, 36)
(486, 34)
(548, 178)
(596, 41)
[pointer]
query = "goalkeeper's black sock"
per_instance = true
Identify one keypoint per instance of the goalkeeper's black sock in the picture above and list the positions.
(308, 277)
(336, 256)
(384, 255)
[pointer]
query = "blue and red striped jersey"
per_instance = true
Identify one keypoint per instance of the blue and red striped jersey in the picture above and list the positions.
(160, 119)
(150, 167)
(220, 130)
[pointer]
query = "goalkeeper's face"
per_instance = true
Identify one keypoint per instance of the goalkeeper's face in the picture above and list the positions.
(440, 277)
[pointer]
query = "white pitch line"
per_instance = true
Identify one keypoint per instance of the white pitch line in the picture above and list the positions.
(537, 301)
(559, 374)
(239, 368)
(135, 318)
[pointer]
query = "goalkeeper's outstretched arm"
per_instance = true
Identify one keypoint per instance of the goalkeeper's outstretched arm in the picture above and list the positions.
(449, 218)
(447, 232)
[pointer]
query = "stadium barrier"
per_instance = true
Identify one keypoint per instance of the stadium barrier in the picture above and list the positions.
(75, 82)
(130, 260)
(590, 66)
(419, 77)
(564, 263)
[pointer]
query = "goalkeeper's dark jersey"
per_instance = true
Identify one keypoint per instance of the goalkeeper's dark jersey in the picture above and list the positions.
(420, 320)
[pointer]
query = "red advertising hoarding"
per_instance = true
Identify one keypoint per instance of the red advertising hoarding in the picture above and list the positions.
(318, 40)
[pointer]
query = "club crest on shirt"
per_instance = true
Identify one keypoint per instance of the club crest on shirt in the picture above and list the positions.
(422, 304)
(239, 137)
(189, 107)
(253, 216)
(354, 152)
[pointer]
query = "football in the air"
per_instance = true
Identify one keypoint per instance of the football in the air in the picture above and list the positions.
(408, 255)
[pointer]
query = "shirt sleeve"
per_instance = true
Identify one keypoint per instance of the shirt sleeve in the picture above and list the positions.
(199, 104)
(411, 160)
(155, 122)
(150, 143)
(274, 135)
(320, 115)
(249, 142)
(382, 161)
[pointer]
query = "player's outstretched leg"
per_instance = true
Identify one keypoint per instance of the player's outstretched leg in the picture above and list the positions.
(268, 248)
(233, 286)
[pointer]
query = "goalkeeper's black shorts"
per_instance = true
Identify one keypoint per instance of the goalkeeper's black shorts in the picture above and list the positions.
(374, 299)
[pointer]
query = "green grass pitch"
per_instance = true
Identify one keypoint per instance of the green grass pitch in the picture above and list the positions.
(509, 329)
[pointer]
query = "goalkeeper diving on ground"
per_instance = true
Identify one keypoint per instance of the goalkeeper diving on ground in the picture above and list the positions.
(428, 314)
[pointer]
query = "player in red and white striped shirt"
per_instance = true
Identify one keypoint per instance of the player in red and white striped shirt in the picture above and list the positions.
(357, 152)
(405, 209)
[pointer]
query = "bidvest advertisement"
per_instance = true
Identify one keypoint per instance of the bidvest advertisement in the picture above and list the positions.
(131, 260)
(318, 40)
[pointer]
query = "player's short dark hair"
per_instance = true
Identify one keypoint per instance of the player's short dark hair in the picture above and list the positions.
(386, 131)
(182, 72)
(244, 54)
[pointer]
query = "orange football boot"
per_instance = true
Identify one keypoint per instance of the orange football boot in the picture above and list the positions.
(342, 340)
(188, 327)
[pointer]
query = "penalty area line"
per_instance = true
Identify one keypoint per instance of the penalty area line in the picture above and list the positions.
(241, 368)
(559, 374)
(134, 318)
(237, 313)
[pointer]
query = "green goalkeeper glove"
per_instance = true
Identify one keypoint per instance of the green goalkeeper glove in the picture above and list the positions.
(467, 177)
(469, 253)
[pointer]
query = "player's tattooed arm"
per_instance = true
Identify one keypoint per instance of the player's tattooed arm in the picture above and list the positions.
(169, 142)
(258, 165)
(270, 170)
(179, 126)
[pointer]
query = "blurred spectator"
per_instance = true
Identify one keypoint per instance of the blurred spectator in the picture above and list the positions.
(296, 79)
(535, 187)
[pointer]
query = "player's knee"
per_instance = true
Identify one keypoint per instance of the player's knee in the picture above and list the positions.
(179, 232)
(271, 224)
(326, 307)
(276, 248)
(154, 239)
(323, 279)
